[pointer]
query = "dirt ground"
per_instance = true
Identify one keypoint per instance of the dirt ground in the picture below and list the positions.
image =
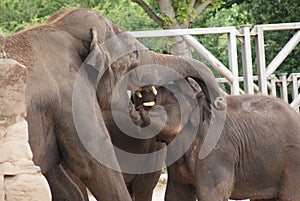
(158, 194)
(159, 191)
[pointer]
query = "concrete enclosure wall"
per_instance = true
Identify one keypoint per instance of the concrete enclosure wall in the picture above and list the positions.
(20, 179)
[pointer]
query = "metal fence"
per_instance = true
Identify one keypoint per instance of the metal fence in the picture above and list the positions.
(267, 81)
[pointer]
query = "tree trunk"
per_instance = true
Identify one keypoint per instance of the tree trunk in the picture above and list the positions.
(175, 45)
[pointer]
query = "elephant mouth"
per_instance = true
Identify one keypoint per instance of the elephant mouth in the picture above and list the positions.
(145, 105)
(144, 97)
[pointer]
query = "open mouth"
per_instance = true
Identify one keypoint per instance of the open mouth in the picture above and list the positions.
(146, 105)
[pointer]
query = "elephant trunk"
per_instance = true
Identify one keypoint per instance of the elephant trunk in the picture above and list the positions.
(185, 67)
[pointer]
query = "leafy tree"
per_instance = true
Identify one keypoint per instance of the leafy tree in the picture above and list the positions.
(174, 14)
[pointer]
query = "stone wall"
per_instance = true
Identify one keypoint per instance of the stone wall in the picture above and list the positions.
(20, 179)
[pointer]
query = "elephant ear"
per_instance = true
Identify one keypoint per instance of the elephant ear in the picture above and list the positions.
(97, 60)
(96, 55)
(94, 62)
(202, 113)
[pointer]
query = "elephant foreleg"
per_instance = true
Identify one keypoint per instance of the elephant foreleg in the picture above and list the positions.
(214, 177)
(177, 191)
(143, 186)
(62, 187)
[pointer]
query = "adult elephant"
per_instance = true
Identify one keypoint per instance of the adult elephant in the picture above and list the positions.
(257, 155)
(67, 57)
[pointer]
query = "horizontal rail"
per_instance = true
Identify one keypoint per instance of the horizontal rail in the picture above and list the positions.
(265, 78)
(212, 30)
(181, 32)
(276, 27)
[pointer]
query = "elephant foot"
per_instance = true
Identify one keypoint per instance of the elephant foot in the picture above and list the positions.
(62, 187)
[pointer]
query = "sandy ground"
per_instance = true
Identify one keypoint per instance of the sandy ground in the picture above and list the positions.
(159, 191)
(158, 194)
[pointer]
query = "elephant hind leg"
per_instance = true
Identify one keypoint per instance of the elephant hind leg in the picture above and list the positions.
(79, 184)
(62, 186)
(291, 178)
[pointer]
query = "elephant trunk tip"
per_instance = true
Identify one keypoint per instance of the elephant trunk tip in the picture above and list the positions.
(220, 103)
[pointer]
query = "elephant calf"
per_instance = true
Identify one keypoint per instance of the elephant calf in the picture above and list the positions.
(257, 155)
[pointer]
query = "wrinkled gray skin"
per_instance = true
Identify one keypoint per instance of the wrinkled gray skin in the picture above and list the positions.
(53, 53)
(257, 156)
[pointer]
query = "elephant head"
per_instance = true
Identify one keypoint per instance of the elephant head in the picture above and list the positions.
(181, 109)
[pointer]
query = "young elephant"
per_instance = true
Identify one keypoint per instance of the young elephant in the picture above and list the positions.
(257, 156)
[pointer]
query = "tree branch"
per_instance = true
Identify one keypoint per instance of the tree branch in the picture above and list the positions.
(199, 8)
(149, 12)
(192, 4)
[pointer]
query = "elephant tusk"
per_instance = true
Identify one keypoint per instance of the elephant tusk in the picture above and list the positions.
(139, 94)
(149, 104)
(154, 91)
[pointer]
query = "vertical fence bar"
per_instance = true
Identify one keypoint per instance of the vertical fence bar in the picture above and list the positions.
(295, 85)
(273, 86)
(283, 89)
(233, 63)
(261, 61)
(295, 88)
(247, 60)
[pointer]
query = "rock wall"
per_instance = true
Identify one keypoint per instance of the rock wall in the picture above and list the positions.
(20, 179)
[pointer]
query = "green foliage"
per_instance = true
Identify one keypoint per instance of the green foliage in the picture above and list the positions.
(125, 14)
(253, 12)
(182, 10)
(19, 14)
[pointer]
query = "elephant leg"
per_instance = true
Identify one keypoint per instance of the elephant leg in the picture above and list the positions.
(143, 186)
(291, 176)
(62, 186)
(177, 191)
(79, 184)
(214, 177)
(103, 182)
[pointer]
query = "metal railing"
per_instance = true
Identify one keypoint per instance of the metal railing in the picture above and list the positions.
(265, 78)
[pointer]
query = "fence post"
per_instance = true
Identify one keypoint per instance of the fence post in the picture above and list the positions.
(295, 77)
(261, 60)
(247, 60)
(273, 85)
(233, 63)
(283, 88)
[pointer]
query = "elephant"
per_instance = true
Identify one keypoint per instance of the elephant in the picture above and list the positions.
(74, 61)
(256, 157)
